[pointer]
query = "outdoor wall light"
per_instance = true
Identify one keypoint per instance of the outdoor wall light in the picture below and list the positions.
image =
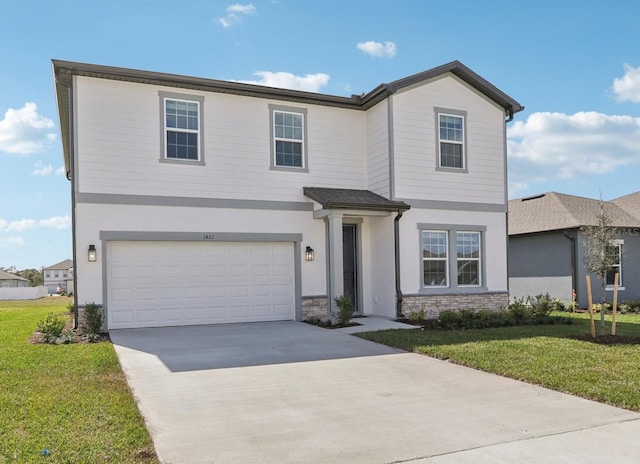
(91, 255)
(309, 254)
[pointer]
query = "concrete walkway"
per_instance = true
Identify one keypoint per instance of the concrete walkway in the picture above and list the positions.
(293, 393)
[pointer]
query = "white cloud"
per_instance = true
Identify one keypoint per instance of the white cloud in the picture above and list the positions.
(56, 222)
(378, 49)
(627, 88)
(41, 169)
(19, 226)
(24, 131)
(23, 225)
(557, 146)
(235, 13)
(61, 171)
(285, 80)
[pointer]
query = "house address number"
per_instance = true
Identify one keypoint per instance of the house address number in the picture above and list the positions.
(208, 237)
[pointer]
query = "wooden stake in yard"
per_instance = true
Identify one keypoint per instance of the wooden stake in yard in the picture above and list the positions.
(615, 304)
(590, 299)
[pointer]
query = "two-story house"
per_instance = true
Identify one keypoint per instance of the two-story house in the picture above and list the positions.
(199, 201)
(59, 276)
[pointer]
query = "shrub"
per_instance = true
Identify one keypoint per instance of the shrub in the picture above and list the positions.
(93, 319)
(418, 316)
(345, 309)
(70, 307)
(52, 326)
(541, 306)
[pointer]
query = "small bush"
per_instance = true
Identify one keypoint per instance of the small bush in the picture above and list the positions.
(93, 319)
(345, 309)
(70, 307)
(418, 316)
(52, 326)
(541, 306)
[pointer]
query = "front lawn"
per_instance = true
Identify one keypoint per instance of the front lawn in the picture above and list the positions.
(72, 400)
(543, 355)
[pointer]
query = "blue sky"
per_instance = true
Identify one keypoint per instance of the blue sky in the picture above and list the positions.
(574, 65)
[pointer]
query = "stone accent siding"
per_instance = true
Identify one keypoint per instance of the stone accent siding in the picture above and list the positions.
(434, 304)
(314, 306)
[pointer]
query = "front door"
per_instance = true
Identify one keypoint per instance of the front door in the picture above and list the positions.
(350, 262)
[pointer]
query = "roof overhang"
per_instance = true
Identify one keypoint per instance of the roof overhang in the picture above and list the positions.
(351, 202)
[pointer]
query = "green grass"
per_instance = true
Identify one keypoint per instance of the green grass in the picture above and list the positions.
(542, 355)
(70, 399)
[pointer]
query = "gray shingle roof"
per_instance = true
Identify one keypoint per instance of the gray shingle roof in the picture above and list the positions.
(61, 266)
(8, 276)
(335, 198)
(558, 211)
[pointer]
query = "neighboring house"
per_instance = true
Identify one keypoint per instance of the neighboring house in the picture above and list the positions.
(547, 246)
(199, 201)
(11, 280)
(60, 275)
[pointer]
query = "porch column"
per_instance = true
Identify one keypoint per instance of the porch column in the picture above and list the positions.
(335, 269)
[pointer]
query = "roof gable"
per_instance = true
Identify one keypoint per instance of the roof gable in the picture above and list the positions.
(62, 265)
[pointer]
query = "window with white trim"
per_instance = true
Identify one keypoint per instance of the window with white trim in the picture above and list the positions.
(451, 139)
(288, 138)
(615, 250)
(182, 128)
(452, 256)
(435, 266)
(468, 258)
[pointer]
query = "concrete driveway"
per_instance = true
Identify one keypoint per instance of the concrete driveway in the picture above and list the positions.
(288, 392)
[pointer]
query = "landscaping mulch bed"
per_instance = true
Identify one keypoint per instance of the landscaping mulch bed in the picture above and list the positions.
(37, 338)
(324, 325)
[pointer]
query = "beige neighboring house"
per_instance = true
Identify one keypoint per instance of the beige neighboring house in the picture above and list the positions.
(59, 275)
(8, 280)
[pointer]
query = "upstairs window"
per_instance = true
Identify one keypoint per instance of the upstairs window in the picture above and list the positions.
(451, 145)
(288, 138)
(182, 128)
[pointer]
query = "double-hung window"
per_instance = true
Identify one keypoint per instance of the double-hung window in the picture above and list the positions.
(468, 258)
(288, 138)
(182, 127)
(452, 256)
(451, 139)
(614, 250)
(435, 266)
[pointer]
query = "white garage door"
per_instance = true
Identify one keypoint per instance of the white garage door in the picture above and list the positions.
(155, 284)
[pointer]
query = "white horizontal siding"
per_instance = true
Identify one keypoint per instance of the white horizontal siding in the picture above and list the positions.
(416, 176)
(378, 149)
(119, 145)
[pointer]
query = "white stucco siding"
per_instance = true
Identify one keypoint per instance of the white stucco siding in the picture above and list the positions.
(119, 146)
(495, 244)
(94, 218)
(415, 144)
(378, 149)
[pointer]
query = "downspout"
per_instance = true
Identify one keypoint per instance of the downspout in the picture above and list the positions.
(71, 178)
(574, 277)
(396, 239)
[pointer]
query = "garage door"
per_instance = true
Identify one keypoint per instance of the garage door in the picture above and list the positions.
(155, 284)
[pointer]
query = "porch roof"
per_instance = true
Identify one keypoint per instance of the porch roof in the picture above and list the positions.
(336, 198)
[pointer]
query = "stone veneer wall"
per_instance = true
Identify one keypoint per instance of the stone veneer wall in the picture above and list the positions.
(434, 304)
(314, 306)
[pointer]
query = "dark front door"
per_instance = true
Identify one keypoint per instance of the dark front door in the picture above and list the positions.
(350, 262)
